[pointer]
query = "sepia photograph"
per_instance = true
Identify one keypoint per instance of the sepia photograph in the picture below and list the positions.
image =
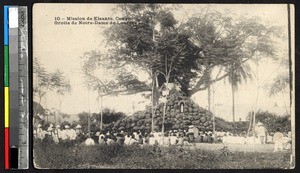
(163, 86)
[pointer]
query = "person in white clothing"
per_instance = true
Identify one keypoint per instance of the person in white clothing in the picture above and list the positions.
(78, 129)
(151, 139)
(261, 132)
(89, 142)
(72, 134)
(64, 133)
(110, 141)
(57, 134)
(132, 140)
(278, 140)
(127, 139)
(173, 139)
(39, 131)
(166, 140)
(101, 139)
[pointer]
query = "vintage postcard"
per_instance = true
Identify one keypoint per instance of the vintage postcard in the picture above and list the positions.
(163, 86)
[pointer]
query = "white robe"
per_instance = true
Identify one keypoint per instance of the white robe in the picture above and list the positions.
(72, 134)
(151, 141)
(127, 140)
(64, 135)
(89, 142)
(173, 140)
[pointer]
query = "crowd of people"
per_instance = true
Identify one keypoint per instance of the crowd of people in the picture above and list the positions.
(281, 140)
(173, 137)
(58, 134)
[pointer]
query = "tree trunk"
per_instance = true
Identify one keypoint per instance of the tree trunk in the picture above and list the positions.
(153, 103)
(209, 96)
(213, 110)
(233, 102)
(89, 120)
(154, 98)
(101, 112)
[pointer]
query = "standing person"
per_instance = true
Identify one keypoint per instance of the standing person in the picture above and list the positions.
(261, 132)
(39, 131)
(64, 133)
(57, 134)
(278, 140)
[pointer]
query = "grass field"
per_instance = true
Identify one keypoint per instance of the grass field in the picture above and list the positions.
(266, 148)
(200, 156)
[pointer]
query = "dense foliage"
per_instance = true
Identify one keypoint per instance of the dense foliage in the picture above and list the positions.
(272, 121)
(109, 117)
(156, 43)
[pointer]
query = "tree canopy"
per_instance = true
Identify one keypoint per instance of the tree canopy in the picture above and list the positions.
(155, 42)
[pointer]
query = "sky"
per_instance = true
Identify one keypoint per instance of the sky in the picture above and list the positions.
(61, 46)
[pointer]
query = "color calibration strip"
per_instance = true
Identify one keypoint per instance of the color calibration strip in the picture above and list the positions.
(16, 87)
(6, 90)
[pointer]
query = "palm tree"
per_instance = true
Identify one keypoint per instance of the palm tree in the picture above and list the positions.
(238, 72)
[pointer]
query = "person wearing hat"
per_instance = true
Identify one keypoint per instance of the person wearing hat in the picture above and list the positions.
(64, 133)
(261, 132)
(78, 129)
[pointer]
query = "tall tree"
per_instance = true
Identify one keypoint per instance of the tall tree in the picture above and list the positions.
(227, 42)
(140, 44)
(45, 82)
(237, 74)
(143, 46)
(213, 40)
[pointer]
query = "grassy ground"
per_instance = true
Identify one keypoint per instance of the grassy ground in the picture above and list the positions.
(54, 156)
(265, 148)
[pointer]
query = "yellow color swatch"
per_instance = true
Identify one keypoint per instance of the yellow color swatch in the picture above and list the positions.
(6, 106)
